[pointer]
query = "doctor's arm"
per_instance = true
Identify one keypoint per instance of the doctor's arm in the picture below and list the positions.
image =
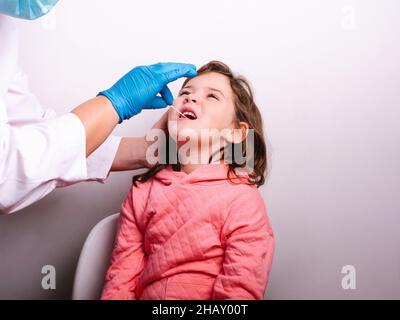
(131, 153)
(38, 156)
(144, 87)
(99, 119)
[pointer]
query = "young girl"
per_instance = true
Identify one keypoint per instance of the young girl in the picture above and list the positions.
(198, 230)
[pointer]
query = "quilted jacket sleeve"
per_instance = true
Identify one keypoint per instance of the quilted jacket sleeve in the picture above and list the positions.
(128, 257)
(249, 249)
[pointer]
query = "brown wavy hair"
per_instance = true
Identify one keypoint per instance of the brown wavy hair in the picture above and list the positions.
(247, 111)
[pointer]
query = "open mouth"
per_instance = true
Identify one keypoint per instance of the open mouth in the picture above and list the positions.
(188, 114)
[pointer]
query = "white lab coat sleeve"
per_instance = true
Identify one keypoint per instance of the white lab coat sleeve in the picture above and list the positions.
(100, 161)
(38, 157)
(24, 108)
(35, 157)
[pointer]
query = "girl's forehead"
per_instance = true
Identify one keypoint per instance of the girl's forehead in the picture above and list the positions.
(210, 79)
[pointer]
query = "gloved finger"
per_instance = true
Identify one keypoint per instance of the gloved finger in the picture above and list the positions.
(156, 103)
(166, 94)
(174, 70)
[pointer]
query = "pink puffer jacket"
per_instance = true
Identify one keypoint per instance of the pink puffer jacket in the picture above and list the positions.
(191, 236)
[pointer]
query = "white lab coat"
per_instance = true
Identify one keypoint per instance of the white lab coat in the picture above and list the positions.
(38, 151)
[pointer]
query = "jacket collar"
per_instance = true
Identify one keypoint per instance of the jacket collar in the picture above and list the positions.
(209, 173)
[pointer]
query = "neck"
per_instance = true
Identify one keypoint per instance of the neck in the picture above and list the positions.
(203, 159)
(188, 168)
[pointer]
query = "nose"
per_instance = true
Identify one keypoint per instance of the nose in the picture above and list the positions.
(190, 98)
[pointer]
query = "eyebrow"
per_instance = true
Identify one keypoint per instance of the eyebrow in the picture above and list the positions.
(210, 88)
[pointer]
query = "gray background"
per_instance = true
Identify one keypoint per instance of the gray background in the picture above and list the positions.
(326, 75)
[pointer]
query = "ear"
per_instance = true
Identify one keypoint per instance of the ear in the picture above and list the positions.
(237, 135)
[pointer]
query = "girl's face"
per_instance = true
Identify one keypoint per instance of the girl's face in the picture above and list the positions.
(207, 101)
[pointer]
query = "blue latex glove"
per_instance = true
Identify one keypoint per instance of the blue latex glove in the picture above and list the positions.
(139, 88)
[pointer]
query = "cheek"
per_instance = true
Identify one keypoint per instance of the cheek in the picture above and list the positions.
(178, 101)
(219, 118)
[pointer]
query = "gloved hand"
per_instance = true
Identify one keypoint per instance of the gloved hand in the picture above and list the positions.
(138, 89)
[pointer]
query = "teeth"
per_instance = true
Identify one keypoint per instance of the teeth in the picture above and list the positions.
(189, 115)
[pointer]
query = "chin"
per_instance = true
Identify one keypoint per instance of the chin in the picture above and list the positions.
(187, 131)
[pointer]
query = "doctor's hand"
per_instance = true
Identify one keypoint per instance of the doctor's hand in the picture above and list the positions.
(145, 87)
(132, 151)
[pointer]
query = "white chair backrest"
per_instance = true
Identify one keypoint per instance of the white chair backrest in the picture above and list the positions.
(94, 260)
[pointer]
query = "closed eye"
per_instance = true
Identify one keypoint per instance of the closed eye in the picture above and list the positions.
(209, 95)
(213, 96)
(183, 93)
